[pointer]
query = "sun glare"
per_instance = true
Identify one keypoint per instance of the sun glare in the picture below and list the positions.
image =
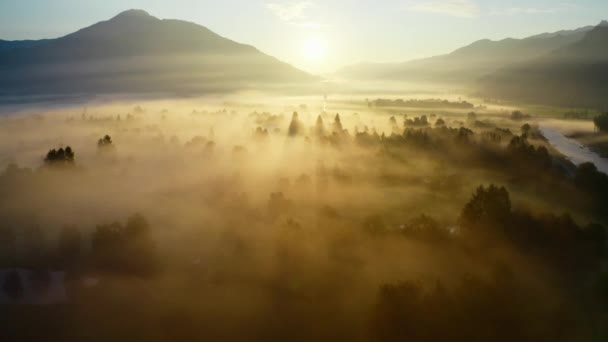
(315, 48)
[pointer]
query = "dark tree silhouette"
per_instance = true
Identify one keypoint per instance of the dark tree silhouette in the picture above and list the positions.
(13, 286)
(471, 118)
(40, 280)
(260, 134)
(69, 154)
(464, 135)
(278, 204)
(35, 246)
(601, 122)
(417, 122)
(294, 126)
(105, 142)
(337, 127)
(489, 206)
(319, 127)
(137, 227)
(7, 246)
(425, 228)
(496, 308)
(523, 151)
(60, 157)
(518, 115)
(392, 121)
(70, 245)
(125, 249)
(375, 225)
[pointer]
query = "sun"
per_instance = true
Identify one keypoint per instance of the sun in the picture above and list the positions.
(315, 48)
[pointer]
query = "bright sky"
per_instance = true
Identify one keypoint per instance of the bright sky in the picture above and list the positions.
(322, 35)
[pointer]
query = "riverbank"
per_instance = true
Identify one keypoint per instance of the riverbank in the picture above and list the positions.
(597, 142)
(560, 136)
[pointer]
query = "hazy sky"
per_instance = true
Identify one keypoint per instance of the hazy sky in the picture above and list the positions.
(318, 35)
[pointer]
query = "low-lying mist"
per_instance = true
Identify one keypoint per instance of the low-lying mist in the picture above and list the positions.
(293, 218)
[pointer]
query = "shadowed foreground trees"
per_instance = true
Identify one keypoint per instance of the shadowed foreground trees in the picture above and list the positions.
(595, 183)
(13, 286)
(504, 306)
(601, 122)
(8, 248)
(500, 308)
(307, 300)
(69, 250)
(116, 248)
(558, 240)
(489, 206)
(40, 281)
(126, 248)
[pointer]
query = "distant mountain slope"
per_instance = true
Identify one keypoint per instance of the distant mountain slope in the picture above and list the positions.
(135, 52)
(575, 75)
(468, 63)
(16, 44)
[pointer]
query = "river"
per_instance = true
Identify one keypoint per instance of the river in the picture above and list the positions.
(556, 131)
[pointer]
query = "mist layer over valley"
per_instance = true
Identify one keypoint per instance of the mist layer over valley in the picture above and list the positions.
(269, 217)
(159, 182)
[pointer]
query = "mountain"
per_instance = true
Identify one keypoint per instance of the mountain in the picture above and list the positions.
(469, 63)
(135, 52)
(16, 44)
(582, 30)
(574, 75)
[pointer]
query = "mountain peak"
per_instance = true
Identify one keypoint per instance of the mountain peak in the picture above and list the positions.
(133, 13)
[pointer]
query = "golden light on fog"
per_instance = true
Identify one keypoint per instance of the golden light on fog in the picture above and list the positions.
(315, 48)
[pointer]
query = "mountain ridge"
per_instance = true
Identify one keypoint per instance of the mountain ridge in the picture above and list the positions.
(136, 52)
(574, 75)
(470, 62)
(17, 44)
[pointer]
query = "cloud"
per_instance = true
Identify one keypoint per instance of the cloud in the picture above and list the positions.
(290, 11)
(295, 13)
(532, 10)
(455, 8)
(311, 25)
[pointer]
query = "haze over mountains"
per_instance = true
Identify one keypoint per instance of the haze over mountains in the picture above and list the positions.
(470, 62)
(135, 52)
(564, 68)
(573, 75)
